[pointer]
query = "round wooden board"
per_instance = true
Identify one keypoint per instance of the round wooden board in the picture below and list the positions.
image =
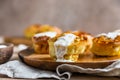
(44, 61)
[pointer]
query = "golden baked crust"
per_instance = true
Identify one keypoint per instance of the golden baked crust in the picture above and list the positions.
(30, 31)
(88, 38)
(40, 44)
(45, 28)
(104, 46)
(79, 46)
(85, 37)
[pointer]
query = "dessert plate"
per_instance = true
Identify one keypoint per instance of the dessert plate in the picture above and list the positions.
(45, 62)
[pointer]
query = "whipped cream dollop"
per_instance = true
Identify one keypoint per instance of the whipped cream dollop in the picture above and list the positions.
(111, 35)
(49, 34)
(61, 46)
(65, 40)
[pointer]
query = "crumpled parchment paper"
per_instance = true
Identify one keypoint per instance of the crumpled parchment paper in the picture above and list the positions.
(17, 69)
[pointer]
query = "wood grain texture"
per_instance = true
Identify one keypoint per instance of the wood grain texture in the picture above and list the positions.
(45, 62)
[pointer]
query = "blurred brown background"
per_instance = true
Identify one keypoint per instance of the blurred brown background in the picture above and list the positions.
(93, 16)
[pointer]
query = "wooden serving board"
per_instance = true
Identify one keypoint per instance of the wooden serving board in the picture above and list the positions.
(44, 61)
(18, 40)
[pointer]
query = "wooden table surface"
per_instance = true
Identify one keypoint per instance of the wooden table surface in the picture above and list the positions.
(74, 76)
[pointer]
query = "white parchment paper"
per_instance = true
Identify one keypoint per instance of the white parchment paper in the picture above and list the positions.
(17, 69)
